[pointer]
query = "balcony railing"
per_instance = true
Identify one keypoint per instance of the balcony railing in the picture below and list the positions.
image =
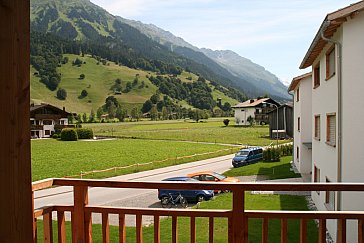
(81, 212)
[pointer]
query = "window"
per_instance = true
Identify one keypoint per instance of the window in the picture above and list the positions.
(330, 198)
(299, 123)
(298, 154)
(330, 62)
(47, 132)
(298, 95)
(47, 122)
(331, 129)
(317, 127)
(316, 176)
(316, 76)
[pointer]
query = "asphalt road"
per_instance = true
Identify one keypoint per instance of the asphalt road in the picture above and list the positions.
(144, 198)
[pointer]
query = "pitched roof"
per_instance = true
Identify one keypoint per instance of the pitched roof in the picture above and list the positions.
(334, 21)
(33, 108)
(250, 103)
(297, 80)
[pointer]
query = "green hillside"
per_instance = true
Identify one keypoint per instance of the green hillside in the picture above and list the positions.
(98, 81)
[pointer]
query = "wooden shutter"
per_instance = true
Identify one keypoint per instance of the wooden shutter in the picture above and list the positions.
(317, 127)
(331, 130)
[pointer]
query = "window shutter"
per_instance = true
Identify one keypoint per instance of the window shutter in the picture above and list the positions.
(332, 129)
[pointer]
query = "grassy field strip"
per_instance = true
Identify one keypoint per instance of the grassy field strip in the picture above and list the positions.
(52, 158)
(147, 163)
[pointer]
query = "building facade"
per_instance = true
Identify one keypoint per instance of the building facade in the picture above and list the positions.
(336, 57)
(45, 119)
(285, 122)
(301, 87)
(255, 109)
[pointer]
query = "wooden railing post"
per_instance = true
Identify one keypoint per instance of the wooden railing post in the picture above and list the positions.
(238, 219)
(80, 197)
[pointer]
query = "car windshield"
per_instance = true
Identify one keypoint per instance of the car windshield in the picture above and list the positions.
(219, 176)
(242, 153)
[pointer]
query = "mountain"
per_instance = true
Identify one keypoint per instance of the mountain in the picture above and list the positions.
(120, 41)
(236, 65)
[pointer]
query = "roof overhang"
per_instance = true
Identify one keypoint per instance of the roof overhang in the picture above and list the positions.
(297, 80)
(328, 27)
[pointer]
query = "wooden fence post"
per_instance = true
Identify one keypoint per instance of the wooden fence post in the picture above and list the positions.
(238, 219)
(80, 197)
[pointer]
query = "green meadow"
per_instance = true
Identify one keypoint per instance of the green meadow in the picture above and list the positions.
(210, 130)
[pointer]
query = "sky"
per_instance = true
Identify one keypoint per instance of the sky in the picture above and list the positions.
(275, 34)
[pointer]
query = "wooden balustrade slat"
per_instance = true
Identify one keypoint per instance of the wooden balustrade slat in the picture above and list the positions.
(193, 229)
(341, 230)
(361, 231)
(61, 227)
(283, 230)
(238, 217)
(174, 229)
(157, 231)
(80, 197)
(303, 231)
(105, 228)
(139, 228)
(47, 228)
(230, 229)
(265, 230)
(322, 230)
(122, 229)
(35, 231)
(88, 227)
(211, 230)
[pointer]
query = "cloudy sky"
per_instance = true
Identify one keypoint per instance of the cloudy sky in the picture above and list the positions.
(275, 34)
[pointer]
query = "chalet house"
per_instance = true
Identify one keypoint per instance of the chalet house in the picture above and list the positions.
(328, 117)
(257, 109)
(45, 119)
(285, 122)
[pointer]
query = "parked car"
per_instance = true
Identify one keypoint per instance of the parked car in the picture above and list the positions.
(190, 195)
(247, 156)
(212, 176)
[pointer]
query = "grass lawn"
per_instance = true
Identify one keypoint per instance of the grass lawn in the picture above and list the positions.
(253, 202)
(211, 130)
(53, 158)
(274, 170)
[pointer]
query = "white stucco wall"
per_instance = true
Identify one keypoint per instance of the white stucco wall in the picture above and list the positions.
(303, 109)
(324, 98)
(242, 114)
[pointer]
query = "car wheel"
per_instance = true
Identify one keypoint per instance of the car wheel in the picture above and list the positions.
(166, 203)
(184, 202)
(200, 198)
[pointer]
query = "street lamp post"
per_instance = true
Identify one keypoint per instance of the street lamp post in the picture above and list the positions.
(277, 120)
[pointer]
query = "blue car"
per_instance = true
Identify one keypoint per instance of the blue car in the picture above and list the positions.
(190, 195)
(247, 156)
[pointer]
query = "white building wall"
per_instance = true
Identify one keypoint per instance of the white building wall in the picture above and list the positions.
(242, 114)
(353, 116)
(324, 156)
(324, 99)
(303, 110)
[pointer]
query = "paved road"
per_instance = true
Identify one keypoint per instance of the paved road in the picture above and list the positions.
(130, 197)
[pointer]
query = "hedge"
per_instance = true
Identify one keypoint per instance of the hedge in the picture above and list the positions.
(273, 154)
(85, 133)
(69, 134)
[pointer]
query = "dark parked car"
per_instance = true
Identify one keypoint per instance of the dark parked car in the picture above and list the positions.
(247, 156)
(190, 195)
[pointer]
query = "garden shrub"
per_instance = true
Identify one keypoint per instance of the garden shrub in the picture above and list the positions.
(273, 154)
(69, 134)
(85, 133)
(55, 136)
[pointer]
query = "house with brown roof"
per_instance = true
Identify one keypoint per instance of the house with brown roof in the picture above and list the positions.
(257, 109)
(335, 125)
(45, 119)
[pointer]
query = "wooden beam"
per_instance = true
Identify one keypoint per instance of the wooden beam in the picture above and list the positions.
(238, 217)
(16, 218)
(157, 230)
(193, 230)
(80, 197)
(303, 231)
(265, 230)
(283, 230)
(122, 229)
(105, 228)
(61, 227)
